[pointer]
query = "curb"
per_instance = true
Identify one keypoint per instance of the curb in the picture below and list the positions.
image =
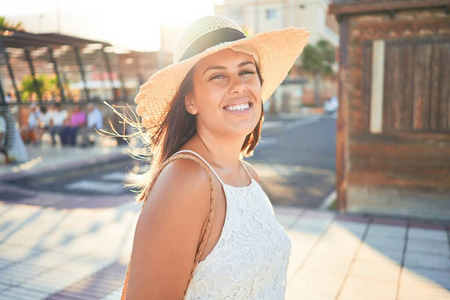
(65, 167)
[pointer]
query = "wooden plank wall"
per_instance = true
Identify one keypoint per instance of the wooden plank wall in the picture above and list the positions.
(411, 156)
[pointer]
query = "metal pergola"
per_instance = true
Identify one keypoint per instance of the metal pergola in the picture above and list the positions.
(28, 41)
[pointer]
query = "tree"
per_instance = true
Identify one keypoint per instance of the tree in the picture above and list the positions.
(46, 84)
(318, 60)
(5, 25)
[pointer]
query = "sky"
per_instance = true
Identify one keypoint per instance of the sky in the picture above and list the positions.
(131, 24)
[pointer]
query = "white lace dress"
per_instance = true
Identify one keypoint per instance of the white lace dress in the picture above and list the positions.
(251, 257)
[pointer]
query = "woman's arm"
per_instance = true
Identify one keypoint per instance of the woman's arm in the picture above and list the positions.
(168, 232)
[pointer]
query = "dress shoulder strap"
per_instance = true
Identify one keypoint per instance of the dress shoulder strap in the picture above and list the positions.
(246, 170)
(199, 156)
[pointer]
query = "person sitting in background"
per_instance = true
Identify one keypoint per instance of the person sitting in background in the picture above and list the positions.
(70, 131)
(57, 122)
(9, 98)
(94, 123)
(44, 122)
(2, 137)
(33, 122)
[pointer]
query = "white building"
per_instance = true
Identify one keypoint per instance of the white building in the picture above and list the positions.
(261, 15)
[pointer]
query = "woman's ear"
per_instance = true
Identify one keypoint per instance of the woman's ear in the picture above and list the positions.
(189, 104)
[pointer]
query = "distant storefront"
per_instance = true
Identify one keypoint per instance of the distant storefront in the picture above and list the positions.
(60, 68)
(393, 139)
(52, 68)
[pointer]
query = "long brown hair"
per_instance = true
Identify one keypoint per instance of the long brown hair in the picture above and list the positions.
(177, 128)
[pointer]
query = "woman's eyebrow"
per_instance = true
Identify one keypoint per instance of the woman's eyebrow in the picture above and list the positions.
(246, 63)
(213, 68)
(224, 68)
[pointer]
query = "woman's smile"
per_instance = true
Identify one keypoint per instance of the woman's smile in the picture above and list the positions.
(239, 109)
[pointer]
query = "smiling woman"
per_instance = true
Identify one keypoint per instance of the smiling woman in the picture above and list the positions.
(207, 229)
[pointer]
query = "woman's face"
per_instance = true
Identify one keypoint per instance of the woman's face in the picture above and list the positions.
(226, 95)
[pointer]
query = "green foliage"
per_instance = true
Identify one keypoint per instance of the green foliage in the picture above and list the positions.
(318, 59)
(9, 26)
(45, 83)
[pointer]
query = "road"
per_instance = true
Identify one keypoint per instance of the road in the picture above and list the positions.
(295, 161)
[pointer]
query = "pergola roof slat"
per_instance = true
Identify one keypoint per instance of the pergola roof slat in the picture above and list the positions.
(22, 39)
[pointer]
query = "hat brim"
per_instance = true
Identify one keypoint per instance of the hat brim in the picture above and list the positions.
(277, 51)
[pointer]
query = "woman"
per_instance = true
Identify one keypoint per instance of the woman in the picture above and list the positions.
(206, 109)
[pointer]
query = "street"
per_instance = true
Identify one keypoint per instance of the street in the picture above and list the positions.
(295, 161)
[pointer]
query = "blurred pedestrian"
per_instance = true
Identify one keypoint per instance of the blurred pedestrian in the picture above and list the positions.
(9, 98)
(94, 123)
(57, 119)
(207, 230)
(33, 123)
(43, 122)
(3, 138)
(71, 129)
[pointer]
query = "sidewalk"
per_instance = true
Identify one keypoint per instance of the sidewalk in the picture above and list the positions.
(48, 159)
(77, 252)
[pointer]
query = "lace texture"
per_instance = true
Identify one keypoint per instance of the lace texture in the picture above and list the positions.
(251, 257)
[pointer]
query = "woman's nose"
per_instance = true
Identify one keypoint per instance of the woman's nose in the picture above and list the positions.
(237, 85)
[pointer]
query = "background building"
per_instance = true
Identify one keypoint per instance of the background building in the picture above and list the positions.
(259, 15)
(393, 135)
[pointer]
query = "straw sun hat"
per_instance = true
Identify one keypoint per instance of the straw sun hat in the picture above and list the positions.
(274, 51)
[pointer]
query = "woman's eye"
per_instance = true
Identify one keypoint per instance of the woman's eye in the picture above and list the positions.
(217, 76)
(246, 72)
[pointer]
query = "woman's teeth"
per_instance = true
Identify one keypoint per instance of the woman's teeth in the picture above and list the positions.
(238, 107)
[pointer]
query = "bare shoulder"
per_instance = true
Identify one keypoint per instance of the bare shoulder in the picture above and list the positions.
(168, 232)
(182, 182)
(252, 171)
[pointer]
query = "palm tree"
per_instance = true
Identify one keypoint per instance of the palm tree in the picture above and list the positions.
(5, 25)
(318, 60)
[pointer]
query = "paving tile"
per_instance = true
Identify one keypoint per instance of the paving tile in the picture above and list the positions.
(428, 246)
(375, 270)
(386, 231)
(383, 243)
(315, 285)
(21, 293)
(311, 225)
(414, 285)
(428, 234)
(438, 277)
(319, 263)
(352, 218)
(361, 288)
(319, 214)
(369, 253)
(284, 210)
(48, 259)
(424, 260)
(4, 286)
(286, 221)
(20, 272)
(356, 229)
(114, 295)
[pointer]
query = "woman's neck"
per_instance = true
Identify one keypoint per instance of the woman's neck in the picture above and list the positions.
(222, 152)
